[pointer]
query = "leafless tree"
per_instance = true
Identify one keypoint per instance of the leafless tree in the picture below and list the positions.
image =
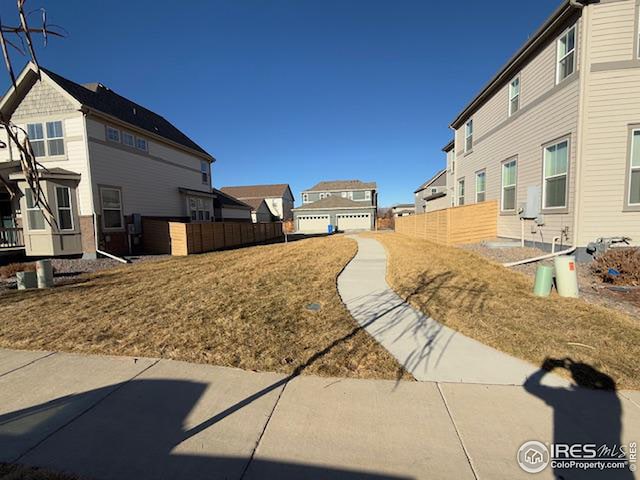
(20, 37)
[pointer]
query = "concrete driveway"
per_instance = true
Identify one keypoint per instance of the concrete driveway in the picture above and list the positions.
(125, 418)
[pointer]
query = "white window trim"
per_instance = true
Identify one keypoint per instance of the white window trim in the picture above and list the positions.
(545, 178)
(512, 97)
(146, 144)
(458, 195)
(468, 127)
(129, 134)
(559, 59)
(35, 208)
(109, 139)
(205, 169)
(478, 174)
(121, 210)
(69, 208)
(632, 168)
(515, 185)
(45, 138)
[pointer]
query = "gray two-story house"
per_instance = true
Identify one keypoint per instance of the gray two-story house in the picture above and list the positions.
(345, 204)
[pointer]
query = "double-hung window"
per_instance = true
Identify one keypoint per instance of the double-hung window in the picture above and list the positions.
(556, 167)
(204, 172)
(63, 203)
(111, 208)
(113, 134)
(142, 144)
(35, 215)
(514, 96)
(36, 138)
(509, 179)
(468, 136)
(55, 138)
(566, 54)
(634, 173)
(128, 139)
(461, 191)
(481, 186)
(51, 144)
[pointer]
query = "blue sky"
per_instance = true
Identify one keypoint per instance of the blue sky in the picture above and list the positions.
(297, 91)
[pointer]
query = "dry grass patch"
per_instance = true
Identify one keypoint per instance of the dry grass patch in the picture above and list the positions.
(495, 306)
(244, 308)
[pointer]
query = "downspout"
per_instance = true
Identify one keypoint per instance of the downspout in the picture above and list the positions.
(93, 202)
(541, 257)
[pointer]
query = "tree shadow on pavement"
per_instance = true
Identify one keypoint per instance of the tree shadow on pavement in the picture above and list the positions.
(589, 412)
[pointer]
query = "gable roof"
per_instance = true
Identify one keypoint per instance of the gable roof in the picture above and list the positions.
(566, 9)
(333, 201)
(258, 191)
(342, 185)
(100, 99)
(449, 146)
(431, 180)
(228, 201)
(255, 203)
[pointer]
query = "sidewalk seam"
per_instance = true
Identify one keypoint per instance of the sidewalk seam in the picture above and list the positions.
(455, 427)
(29, 363)
(88, 409)
(266, 424)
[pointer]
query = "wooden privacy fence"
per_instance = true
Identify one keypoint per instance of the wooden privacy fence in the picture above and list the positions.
(451, 226)
(180, 238)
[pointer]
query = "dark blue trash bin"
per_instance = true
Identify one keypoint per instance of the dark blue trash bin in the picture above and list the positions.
(329, 229)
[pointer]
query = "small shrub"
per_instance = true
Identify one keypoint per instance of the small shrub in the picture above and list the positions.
(624, 260)
(10, 270)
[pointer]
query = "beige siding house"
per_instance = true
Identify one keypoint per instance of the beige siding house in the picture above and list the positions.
(554, 137)
(104, 158)
(278, 199)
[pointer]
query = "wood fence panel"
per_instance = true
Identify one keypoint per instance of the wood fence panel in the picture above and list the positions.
(156, 238)
(178, 235)
(218, 235)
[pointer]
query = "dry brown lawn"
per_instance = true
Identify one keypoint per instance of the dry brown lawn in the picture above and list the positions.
(244, 308)
(495, 305)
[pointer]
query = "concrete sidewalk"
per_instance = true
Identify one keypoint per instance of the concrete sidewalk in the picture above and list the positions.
(124, 418)
(426, 348)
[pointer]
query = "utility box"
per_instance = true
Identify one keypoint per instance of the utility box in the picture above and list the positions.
(531, 209)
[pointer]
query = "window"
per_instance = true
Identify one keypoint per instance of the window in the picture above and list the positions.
(35, 216)
(367, 195)
(461, 191)
(204, 171)
(434, 190)
(634, 174)
(63, 202)
(468, 136)
(199, 209)
(509, 178)
(556, 164)
(111, 208)
(481, 186)
(55, 140)
(566, 54)
(514, 96)
(141, 144)
(113, 134)
(193, 209)
(128, 139)
(36, 138)
(305, 198)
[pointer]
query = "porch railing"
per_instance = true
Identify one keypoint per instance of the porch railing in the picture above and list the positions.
(11, 237)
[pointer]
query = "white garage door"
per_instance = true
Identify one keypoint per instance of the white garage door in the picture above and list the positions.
(313, 223)
(354, 221)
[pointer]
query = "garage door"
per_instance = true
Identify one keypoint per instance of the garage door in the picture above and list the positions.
(354, 221)
(313, 223)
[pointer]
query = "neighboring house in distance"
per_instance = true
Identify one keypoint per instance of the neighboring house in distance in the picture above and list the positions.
(278, 198)
(260, 212)
(432, 194)
(107, 158)
(229, 209)
(556, 132)
(346, 204)
(403, 209)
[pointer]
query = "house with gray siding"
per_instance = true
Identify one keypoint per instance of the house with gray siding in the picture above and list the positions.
(278, 198)
(345, 204)
(107, 162)
(554, 136)
(432, 194)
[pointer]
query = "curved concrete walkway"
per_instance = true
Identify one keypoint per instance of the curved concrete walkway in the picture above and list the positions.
(426, 348)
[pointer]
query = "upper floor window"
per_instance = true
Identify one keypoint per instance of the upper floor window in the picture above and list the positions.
(556, 165)
(113, 134)
(461, 191)
(634, 174)
(63, 203)
(481, 186)
(128, 139)
(204, 171)
(468, 136)
(566, 54)
(35, 215)
(52, 144)
(111, 199)
(509, 178)
(514, 96)
(142, 144)
(367, 195)
(434, 190)
(305, 198)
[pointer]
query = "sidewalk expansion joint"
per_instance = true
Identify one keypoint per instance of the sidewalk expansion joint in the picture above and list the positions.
(50, 354)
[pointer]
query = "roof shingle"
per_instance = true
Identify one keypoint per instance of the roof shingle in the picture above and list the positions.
(342, 185)
(257, 191)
